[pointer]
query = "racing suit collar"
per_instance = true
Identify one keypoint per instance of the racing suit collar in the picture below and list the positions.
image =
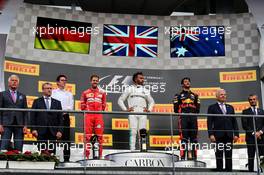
(184, 91)
(137, 85)
(95, 90)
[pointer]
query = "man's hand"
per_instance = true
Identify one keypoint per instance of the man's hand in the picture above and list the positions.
(59, 135)
(1, 129)
(212, 138)
(235, 139)
(146, 110)
(35, 133)
(25, 130)
(258, 134)
(131, 109)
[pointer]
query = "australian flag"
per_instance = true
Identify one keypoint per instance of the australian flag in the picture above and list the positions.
(200, 41)
(135, 41)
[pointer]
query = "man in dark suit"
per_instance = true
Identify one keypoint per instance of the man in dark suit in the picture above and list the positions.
(248, 126)
(222, 130)
(47, 126)
(13, 122)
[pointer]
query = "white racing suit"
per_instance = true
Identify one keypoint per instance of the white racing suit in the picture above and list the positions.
(139, 98)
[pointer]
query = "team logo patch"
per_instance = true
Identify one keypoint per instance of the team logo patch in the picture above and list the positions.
(89, 95)
(98, 126)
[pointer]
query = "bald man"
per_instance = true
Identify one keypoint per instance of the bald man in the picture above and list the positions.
(222, 130)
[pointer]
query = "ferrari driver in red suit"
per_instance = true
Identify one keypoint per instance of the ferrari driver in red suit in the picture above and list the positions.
(93, 99)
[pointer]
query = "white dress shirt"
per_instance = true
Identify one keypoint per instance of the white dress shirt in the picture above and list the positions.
(222, 107)
(49, 101)
(65, 97)
(256, 110)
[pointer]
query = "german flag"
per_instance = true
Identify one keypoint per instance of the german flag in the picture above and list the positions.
(63, 35)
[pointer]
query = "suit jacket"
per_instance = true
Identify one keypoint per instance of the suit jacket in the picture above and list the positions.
(222, 125)
(8, 117)
(47, 120)
(247, 123)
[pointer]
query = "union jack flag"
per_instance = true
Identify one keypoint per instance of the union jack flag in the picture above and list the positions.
(136, 41)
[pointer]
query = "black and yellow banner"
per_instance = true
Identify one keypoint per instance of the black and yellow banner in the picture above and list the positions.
(21, 68)
(238, 76)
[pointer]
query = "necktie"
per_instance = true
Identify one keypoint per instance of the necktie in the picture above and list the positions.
(223, 108)
(13, 96)
(47, 103)
(254, 110)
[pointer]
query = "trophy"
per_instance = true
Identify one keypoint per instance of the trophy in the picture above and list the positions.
(95, 146)
(143, 140)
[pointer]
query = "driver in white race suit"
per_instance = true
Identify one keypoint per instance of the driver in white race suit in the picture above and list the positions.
(139, 100)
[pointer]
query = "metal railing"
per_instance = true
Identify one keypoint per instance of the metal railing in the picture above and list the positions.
(171, 128)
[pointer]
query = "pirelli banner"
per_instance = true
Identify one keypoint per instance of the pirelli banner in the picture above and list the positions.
(163, 84)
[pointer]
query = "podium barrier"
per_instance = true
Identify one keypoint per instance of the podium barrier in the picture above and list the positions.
(189, 164)
(143, 159)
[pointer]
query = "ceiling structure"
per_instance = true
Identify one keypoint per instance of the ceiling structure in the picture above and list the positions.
(152, 7)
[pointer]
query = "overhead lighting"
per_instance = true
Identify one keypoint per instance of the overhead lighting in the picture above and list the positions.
(182, 14)
(64, 7)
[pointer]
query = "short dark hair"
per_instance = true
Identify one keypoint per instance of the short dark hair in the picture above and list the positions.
(94, 75)
(60, 76)
(251, 95)
(135, 75)
(46, 83)
(185, 78)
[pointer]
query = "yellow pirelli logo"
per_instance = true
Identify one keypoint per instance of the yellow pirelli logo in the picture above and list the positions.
(69, 87)
(30, 100)
(202, 124)
(205, 93)
(108, 106)
(166, 108)
(29, 137)
(239, 106)
(238, 76)
(21, 68)
(163, 141)
(241, 140)
(122, 124)
(72, 121)
(107, 139)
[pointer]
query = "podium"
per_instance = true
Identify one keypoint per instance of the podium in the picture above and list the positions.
(97, 163)
(136, 159)
(89, 163)
(142, 159)
(189, 164)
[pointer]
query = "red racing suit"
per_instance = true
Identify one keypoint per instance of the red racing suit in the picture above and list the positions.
(93, 100)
